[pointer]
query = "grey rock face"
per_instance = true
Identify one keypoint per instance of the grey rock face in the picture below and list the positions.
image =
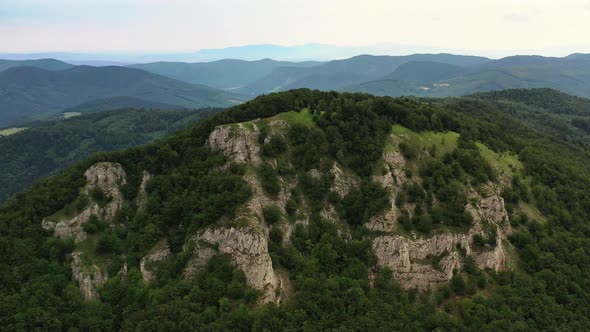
(105, 176)
(157, 254)
(238, 143)
(248, 250)
(89, 278)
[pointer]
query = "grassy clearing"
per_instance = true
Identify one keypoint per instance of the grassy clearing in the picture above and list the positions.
(11, 131)
(444, 142)
(68, 115)
(303, 117)
(68, 212)
(504, 163)
(88, 249)
(531, 212)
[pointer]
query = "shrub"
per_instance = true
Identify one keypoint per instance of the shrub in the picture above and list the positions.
(272, 214)
(94, 225)
(423, 223)
(109, 243)
(409, 151)
(478, 240)
(291, 206)
(99, 197)
(276, 235)
(405, 221)
(361, 204)
(269, 180)
(458, 285)
(276, 145)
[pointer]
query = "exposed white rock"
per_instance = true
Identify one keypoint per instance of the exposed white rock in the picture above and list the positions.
(141, 199)
(279, 123)
(157, 254)
(107, 177)
(392, 180)
(248, 250)
(405, 255)
(89, 277)
(342, 183)
(238, 143)
(289, 228)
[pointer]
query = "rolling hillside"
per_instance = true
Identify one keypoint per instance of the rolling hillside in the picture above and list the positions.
(48, 64)
(223, 74)
(28, 92)
(569, 74)
(551, 111)
(112, 103)
(337, 74)
(52, 146)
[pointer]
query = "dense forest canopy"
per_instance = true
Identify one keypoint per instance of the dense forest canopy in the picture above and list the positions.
(48, 147)
(547, 288)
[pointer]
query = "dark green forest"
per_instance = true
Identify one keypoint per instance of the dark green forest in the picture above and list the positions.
(547, 290)
(548, 110)
(48, 147)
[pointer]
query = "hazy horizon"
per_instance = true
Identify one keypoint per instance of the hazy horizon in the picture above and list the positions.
(395, 28)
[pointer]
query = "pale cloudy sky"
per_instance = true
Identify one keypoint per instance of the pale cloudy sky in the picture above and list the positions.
(487, 27)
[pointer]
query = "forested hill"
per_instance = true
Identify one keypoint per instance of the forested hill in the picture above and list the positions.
(48, 64)
(52, 146)
(548, 110)
(310, 210)
(29, 93)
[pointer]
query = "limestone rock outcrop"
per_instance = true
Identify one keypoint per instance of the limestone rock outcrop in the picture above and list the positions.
(104, 176)
(147, 265)
(409, 257)
(238, 143)
(141, 199)
(89, 277)
(248, 250)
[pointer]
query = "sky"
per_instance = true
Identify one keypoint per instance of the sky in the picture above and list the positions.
(491, 28)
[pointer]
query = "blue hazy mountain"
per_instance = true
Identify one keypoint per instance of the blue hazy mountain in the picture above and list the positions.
(569, 74)
(223, 74)
(48, 64)
(337, 74)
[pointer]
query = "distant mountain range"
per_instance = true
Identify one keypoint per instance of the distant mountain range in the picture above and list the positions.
(48, 64)
(223, 74)
(305, 52)
(30, 92)
(337, 74)
(429, 75)
(29, 89)
(569, 74)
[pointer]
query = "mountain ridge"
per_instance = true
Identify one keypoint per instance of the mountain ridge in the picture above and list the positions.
(28, 92)
(307, 204)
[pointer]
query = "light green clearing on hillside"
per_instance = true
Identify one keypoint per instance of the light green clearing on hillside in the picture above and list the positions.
(444, 142)
(10, 131)
(303, 117)
(68, 115)
(532, 212)
(504, 163)
(89, 254)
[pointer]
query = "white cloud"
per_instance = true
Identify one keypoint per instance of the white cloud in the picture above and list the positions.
(516, 18)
